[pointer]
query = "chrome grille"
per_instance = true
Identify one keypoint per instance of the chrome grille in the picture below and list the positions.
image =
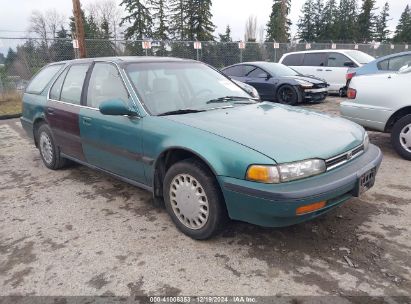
(341, 159)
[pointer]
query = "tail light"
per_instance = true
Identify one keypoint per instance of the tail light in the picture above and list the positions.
(350, 76)
(351, 93)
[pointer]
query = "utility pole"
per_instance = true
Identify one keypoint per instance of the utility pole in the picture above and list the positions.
(78, 20)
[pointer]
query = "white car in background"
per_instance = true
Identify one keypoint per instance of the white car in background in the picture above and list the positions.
(330, 65)
(382, 102)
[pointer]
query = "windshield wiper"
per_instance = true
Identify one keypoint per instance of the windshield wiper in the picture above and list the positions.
(180, 111)
(230, 99)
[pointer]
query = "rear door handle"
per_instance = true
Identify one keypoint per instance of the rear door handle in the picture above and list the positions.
(50, 111)
(328, 70)
(87, 121)
(319, 70)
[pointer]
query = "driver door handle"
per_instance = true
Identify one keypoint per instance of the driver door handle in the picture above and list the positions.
(87, 121)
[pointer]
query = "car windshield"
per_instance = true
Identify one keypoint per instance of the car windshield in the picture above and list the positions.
(360, 57)
(183, 87)
(279, 70)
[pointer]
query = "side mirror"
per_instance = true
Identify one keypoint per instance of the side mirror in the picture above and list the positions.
(349, 64)
(264, 76)
(116, 107)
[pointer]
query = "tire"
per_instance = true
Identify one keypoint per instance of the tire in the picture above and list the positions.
(192, 179)
(401, 137)
(49, 152)
(288, 95)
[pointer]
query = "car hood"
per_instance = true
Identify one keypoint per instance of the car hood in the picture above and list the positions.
(285, 134)
(311, 79)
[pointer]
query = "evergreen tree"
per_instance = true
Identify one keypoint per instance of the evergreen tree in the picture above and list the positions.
(178, 19)
(140, 17)
(330, 21)
(347, 21)
(160, 9)
(382, 32)
(367, 21)
(62, 49)
(226, 37)
(278, 26)
(306, 23)
(318, 17)
(200, 27)
(403, 30)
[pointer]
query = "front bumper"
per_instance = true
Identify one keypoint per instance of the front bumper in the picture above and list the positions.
(315, 95)
(275, 205)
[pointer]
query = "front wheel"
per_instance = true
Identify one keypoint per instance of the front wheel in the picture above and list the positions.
(287, 95)
(193, 199)
(401, 137)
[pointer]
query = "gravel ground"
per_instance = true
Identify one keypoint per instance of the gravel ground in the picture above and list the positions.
(80, 232)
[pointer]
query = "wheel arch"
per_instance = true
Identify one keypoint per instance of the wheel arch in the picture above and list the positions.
(166, 159)
(37, 122)
(397, 116)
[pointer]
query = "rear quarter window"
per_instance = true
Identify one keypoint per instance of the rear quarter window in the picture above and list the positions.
(293, 59)
(43, 78)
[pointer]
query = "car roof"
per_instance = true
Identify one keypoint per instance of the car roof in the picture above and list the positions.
(392, 56)
(127, 59)
(323, 51)
(260, 64)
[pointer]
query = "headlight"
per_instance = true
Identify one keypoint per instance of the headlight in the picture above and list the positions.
(285, 172)
(366, 141)
(302, 169)
(305, 84)
(254, 93)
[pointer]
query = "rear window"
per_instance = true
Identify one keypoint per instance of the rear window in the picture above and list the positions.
(293, 59)
(42, 79)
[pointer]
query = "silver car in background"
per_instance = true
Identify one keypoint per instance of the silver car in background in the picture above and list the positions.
(382, 102)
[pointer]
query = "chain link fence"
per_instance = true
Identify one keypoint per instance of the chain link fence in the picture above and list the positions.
(29, 55)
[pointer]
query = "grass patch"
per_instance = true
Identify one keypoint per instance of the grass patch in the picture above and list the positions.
(10, 103)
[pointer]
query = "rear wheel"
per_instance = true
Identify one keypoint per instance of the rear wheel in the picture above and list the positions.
(287, 95)
(193, 199)
(49, 152)
(401, 137)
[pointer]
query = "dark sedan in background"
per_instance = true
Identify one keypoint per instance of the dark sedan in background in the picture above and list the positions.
(279, 83)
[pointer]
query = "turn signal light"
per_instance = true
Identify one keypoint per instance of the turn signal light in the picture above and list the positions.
(310, 208)
(351, 93)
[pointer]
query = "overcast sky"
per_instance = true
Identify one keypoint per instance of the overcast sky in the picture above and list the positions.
(14, 14)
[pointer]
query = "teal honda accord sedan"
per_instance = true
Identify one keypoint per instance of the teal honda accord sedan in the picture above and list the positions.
(201, 144)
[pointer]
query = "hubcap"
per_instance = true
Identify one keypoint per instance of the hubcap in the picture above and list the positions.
(46, 148)
(405, 138)
(189, 201)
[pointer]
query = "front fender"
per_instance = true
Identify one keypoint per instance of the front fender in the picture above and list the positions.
(225, 157)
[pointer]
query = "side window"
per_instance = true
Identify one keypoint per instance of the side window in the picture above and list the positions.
(293, 60)
(236, 71)
(42, 79)
(73, 84)
(56, 88)
(247, 69)
(315, 59)
(105, 84)
(395, 64)
(257, 73)
(337, 60)
(384, 65)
